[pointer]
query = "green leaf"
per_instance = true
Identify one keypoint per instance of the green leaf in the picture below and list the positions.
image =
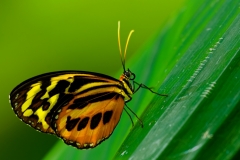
(196, 61)
(200, 118)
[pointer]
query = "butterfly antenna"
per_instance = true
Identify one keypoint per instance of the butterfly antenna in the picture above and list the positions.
(139, 120)
(128, 39)
(123, 57)
(120, 48)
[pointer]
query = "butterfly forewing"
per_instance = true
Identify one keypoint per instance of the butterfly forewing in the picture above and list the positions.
(36, 100)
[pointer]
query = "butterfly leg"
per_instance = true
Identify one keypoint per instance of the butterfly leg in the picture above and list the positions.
(146, 87)
(140, 121)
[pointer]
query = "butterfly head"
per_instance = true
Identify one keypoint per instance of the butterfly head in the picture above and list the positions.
(129, 75)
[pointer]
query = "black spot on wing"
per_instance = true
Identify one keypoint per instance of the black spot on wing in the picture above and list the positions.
(80, 81)
(84, 101)
(45, 106)
(37, 103)
(95, 120)
(59, 88)
(83, 123)
(62, 100)
(45, 83)
(107, 116)
(71, 123)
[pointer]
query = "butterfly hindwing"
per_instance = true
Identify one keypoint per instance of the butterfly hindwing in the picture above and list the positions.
(84, 124)
(36, 100)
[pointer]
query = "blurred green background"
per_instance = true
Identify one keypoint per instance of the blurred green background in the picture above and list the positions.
(42, 36)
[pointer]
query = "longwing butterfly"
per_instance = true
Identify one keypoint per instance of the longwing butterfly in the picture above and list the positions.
(83, 108)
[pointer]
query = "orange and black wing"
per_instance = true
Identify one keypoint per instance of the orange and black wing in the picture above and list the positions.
(36, 100)
(86, 121)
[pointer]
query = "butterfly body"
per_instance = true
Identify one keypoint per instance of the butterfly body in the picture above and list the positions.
(82, 108)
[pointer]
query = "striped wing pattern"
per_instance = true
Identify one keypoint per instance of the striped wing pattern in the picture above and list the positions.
(82, 108)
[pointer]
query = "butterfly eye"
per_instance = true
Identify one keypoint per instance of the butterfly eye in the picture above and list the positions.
(129, 74)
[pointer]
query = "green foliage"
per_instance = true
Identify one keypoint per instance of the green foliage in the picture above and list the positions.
(200, 118)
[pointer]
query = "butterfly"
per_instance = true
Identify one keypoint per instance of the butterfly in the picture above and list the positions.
(83, 108)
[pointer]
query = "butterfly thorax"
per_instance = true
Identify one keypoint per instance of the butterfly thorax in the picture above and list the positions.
(127, 89)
